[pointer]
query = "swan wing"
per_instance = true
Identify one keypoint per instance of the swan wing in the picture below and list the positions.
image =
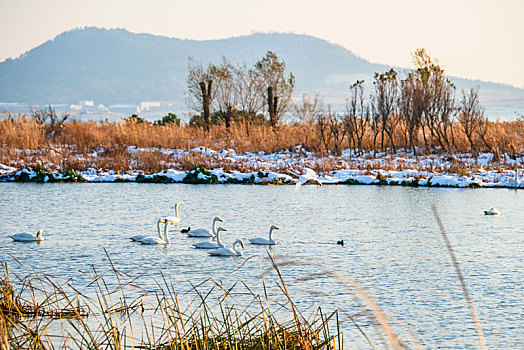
(222, 252)
(200, 232)
(206, 245)
(260, 241)
(137, 238)
(25, 237)
(310, 173)
(152, 240)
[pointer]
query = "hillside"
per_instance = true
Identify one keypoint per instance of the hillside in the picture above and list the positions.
(116, 66)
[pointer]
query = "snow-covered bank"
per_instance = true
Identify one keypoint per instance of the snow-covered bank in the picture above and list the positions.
(365, 169)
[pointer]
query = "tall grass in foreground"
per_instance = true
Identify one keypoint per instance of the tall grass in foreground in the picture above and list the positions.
(37, 313)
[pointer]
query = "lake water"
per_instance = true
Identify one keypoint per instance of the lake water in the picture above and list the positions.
(393, 247)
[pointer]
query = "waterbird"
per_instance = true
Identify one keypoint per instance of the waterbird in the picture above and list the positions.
(212, 245)
(515, 181)
(492, 211)
(137, 238)
(263, 241)
(308, 176)
(158, 240)
(204, 232)
(174, 219)
(228, 251)
(27, 237)
(185, 230)
(341, 242)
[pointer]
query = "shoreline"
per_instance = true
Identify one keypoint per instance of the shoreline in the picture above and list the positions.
(379, 177)
(228, 167)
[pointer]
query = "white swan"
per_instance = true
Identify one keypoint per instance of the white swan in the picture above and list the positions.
(158, 240)
(228, 251)
(263, 241)
(211, 245)
(27, 237)
(137, 238)
(515, 182)
(174, 219)
(309, 175)
(204, 232)
(492, 211)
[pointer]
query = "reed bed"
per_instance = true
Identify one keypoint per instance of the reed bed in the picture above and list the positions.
(40, 314)
(80, 145)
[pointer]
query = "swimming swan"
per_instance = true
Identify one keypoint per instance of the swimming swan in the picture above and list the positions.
(137, 238)
(158, 240)
(174, 219)
(309, 175)
(204, 232)
(263, 241)
(211, 245)
(228, 251)
(27, 237)
(492, 211)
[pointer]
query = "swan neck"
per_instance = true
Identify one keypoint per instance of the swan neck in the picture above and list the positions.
(271, 233)
(235, 247)
(218, 238)
(214, 228)
(166, 237)
(158, 228)
(176, 211)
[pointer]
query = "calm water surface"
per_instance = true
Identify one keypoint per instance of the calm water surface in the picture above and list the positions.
(393, 247)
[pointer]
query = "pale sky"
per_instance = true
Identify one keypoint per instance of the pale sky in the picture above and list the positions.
(476, 39)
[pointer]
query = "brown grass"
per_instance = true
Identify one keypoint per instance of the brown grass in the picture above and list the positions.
(76, 139)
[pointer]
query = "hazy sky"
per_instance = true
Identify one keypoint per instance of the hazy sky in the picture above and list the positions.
(478, 39)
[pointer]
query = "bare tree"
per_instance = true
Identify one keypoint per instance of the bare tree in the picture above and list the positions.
(307, 111)
(357, 115)
(323, 129)
(469, 116)
(200, 86)
(247, 90)
(226, 98)
(338, 132)
(52, 122)
(411, 108)
(384, 105)
(249, 99)
(277, 88)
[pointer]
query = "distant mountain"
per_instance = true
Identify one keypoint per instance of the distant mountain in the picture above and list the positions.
(116, 66)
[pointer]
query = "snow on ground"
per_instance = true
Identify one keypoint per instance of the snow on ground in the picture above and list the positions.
(366, 169)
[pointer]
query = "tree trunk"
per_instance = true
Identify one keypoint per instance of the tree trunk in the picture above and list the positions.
(272, 102)
(206, 100)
